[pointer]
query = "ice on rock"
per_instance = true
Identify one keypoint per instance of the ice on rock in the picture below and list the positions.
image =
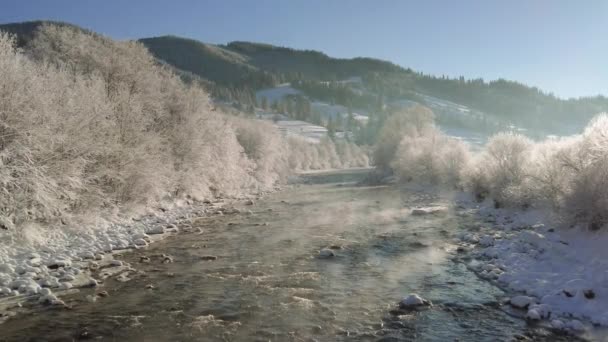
(92, 282)
(486, 241)
(30, 289)
(17, 283)
(33, 256)
(171, 228)
(470, 238)
(34, 262)
(20, 269)
(5, 279)
(140, 242)
(45, 291)
(429, 210)
(87, 255)
(491, 253)
(558, 324)
(577, 286)
(575, 325)
(122, 244)
(6, 268)
(413, 300)
(59, 263)
(65, 286)
(532, 238)
(67, 278)
(50, 299)
(522, 302)
(544, 310)
(156, 230)
(142, 236)
(326, 253)
(49, 281)
(533, 314)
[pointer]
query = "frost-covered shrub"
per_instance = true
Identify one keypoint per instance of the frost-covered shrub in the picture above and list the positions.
(164, 138)
(431, 157)
(351, 155)
(265, 147)
(548, 177)
(408, 122)
(46, 140)
(327, 154)
(88, 124)
(586, 160)
(500, 170)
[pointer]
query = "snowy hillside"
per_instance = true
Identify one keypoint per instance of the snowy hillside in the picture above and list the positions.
(276, 94)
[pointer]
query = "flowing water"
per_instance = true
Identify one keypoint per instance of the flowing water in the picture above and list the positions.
(258, 276)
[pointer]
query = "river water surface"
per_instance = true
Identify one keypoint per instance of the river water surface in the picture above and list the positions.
(257, 276)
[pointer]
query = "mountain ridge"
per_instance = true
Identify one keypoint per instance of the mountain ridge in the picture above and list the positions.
(236, 70)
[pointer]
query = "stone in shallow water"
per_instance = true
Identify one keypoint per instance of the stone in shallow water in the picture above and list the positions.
(413, 301)
(156, 230)
(140, 242)
(533, 315)
(326, 253)
(521, 302)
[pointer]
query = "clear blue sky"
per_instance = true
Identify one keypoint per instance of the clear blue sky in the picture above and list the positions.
(560, 46)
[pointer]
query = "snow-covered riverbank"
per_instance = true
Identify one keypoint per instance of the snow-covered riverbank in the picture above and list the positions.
(43, 263)
(561, 273)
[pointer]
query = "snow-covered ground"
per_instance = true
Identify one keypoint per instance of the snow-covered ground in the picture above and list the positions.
(276, 94)
(561, 273)
(311, 133)
(437, 103)
(327, 110)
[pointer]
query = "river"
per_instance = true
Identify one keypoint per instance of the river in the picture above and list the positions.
(258, 276)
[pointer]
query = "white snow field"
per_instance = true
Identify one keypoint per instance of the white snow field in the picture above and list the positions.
(276, 94)
(560, 274)
(311, 133)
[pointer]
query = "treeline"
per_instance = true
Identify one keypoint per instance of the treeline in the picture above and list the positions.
(92, 126)
(568, 175)
(238, 69)
(523, 105)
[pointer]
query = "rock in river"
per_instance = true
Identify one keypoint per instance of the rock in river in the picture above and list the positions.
(413, 301)
(326, 253)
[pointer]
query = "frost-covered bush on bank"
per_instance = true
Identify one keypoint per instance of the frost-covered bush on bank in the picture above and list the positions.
(412, 148)
(566, 175)
(325, 155)
(91, 125)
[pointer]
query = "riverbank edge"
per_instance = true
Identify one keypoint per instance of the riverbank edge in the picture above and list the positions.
(553, 268)
(40, 274)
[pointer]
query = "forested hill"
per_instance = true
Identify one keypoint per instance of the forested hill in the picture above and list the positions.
(236, 70)
(245, 67)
